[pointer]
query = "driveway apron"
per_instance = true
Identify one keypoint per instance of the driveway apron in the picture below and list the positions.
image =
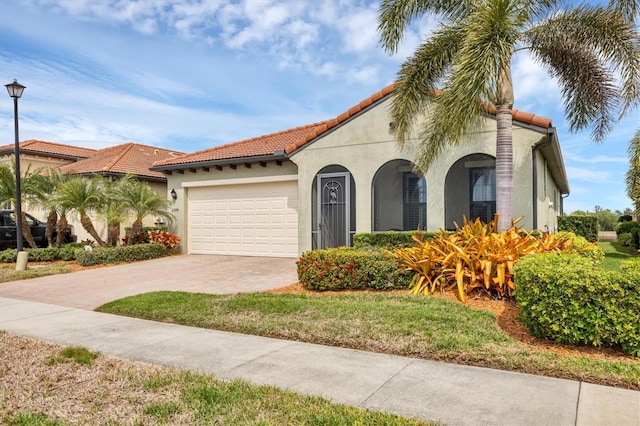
(91, 288)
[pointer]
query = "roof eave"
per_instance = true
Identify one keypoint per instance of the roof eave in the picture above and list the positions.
(552, 153)
(162, 179)
(276, 156)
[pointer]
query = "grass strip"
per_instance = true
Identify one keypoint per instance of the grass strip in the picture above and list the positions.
(416, 326)
(615, 254)
(10, 274)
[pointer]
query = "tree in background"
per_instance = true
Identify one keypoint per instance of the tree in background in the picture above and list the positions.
(592, 51)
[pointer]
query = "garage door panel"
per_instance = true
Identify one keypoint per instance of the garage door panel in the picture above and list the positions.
(252, 219)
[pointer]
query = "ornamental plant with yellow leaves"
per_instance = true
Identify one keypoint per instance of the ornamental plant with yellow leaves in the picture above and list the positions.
(476, 257)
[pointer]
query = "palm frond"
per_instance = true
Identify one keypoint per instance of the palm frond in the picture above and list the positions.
(632, 178)
(395, 15)
(629, 9)
(416, 83)
(581, 47)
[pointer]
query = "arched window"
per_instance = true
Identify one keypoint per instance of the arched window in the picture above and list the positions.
(399, 198)
(470, 190)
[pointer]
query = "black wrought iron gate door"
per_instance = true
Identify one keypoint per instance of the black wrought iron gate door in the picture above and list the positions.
(333, 209)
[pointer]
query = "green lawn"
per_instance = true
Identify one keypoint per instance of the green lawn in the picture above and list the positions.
(614, 254)
(416, 326)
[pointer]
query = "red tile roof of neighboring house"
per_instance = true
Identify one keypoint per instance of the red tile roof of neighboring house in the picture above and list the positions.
(293, 139)
(38, 147)
(130, 158)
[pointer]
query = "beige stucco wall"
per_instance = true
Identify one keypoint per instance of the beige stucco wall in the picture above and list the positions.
(180, 183)
(365, 143)
(547, 197)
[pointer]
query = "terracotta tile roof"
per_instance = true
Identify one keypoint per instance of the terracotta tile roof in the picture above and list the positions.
(33, 146)
(122, 159)
(293, 139)
(258, 146)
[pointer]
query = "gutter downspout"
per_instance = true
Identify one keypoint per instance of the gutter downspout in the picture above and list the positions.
(534, 168)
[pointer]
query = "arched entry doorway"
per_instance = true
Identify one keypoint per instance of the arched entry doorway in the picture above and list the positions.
(333, 208)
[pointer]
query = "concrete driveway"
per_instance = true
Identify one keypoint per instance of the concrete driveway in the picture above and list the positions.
(91, 288)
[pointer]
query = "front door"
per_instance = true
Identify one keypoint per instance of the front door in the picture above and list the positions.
(333, 209)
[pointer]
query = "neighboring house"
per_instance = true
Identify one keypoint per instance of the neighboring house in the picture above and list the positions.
(315, 186)
(113, 162)
(45, 154)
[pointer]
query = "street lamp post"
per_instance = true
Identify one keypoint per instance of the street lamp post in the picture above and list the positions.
(15, 90)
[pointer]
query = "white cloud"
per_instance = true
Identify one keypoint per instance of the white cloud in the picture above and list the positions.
(590, 175)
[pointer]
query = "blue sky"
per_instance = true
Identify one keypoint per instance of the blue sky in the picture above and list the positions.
(193, 74)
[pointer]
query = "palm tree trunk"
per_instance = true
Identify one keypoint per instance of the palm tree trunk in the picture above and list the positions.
(26, 231)
(114, 234)
(504, 166)
(88, 226)
(52, 219)
(61, 229)
(136, 227)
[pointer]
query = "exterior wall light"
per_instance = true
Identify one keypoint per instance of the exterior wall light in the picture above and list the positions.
(174, 194)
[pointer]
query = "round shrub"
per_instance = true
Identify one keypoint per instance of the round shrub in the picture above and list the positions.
(626, 239)
(626, 227)
(566, 298)
(349, 269)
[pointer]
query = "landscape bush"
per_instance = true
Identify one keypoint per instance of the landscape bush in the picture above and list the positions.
(567, 299)
(123, 254)
(169, 240)
(586, 249)
(476, 258)
(626, 239)
(389, 239)
(50, 254)
(585, 226)
(350, 269)
(626, 227)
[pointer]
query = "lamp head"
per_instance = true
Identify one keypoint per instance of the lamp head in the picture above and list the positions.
(15, 89)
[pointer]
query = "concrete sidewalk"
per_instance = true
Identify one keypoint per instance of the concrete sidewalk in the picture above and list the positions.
(445, 393)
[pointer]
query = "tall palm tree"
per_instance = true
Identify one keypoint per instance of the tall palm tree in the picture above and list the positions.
(592, 51)
(142, 201)
(81, 195)
(633, 174)
(30, 184)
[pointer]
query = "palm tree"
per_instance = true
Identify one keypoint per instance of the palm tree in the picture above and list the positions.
(633, 174)
(81, 195)
(30, 183)
(141, 200)
(114, 211)
(56, 216)
(592, 51)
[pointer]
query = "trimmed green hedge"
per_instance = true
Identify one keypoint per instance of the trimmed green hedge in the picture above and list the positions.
(350, 269)
(628, 234)
(585, 226)
(124, 254)
(568, 299)
(389, 239)
(50, 254)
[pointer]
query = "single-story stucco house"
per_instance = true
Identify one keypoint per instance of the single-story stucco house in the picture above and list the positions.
(315, 186)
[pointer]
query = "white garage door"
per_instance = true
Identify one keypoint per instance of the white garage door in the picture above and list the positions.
(257, 219)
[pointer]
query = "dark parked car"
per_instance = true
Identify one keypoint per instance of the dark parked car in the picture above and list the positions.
(38, 230)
